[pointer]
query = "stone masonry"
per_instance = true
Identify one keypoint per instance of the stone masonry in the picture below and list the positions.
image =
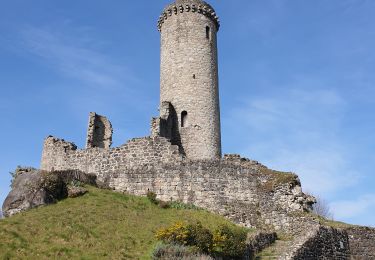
(362, 242)
(99, 133)
(189, 75)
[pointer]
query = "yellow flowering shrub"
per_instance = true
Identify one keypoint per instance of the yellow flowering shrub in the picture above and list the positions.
(226, 241)
(177, 233)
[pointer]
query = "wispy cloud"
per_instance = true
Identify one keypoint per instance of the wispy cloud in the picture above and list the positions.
(73, 56)
(298, 130)
(354, 208)
(86, 73)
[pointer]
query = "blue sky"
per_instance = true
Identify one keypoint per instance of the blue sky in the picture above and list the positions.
(296, 82)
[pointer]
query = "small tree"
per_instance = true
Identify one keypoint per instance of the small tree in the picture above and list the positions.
(322, 208)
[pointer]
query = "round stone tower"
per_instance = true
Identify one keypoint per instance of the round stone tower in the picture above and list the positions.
(189, 75)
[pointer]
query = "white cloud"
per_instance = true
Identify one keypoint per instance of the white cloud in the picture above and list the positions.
(94, 79)
(72, 54)
(298, 130)
(354, 208)
(323, 171)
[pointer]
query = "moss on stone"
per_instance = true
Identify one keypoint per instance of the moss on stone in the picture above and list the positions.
(277, 179)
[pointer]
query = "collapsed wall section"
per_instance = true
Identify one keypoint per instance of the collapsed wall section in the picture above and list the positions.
(99, 132)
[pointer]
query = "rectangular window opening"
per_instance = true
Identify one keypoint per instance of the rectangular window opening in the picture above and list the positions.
(208, 32)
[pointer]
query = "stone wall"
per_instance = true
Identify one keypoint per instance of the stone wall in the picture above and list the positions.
(61, 155)
(167, 125)
(258, 241)
(245, 192)
(240, 189)
(99, 132)
(320, 242)
(362, 242)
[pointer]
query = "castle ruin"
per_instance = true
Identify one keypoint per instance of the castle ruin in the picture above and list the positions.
(182, 160)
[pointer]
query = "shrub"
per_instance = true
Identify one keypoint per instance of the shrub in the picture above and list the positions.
(76, 183)
(180, 205)
(164, 205)
(200, 237)
(172, 204)
(152, 197)
(174, 251)
(229, 242)
(175, 234)
(321, 207)
(19, 170)
(226, 242)
(54, 186)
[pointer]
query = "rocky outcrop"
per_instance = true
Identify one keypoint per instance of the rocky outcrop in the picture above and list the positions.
(74, 192)
(32, 188)
(25, 194)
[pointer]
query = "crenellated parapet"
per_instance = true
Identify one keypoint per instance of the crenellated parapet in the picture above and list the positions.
(194, 6)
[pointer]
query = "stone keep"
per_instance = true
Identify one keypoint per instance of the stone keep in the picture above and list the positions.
(189, 76)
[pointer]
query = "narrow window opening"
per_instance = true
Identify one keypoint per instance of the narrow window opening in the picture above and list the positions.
(193, 76)
(208, 32)
(184, 117)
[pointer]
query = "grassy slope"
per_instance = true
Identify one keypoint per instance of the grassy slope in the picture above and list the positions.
(100, 225)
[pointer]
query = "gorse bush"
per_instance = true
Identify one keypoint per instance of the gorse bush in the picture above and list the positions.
(226, 242)
(229, 242)
(200, 237)
(175, 234)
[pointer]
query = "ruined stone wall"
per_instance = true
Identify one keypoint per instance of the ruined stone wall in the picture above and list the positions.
(54, 153)
(61, 155)
(258, 241)
(245, 192)
(321, 242)
(99, 132)
(189, 75)
(242, 190)
(362, 242)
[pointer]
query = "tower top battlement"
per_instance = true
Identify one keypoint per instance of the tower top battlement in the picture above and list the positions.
(194, 6)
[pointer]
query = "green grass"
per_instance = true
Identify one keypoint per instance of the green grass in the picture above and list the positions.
(331, 223)
(273, 251)
(100, 225)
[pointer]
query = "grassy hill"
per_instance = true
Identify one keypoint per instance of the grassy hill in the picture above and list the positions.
(100, 225)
